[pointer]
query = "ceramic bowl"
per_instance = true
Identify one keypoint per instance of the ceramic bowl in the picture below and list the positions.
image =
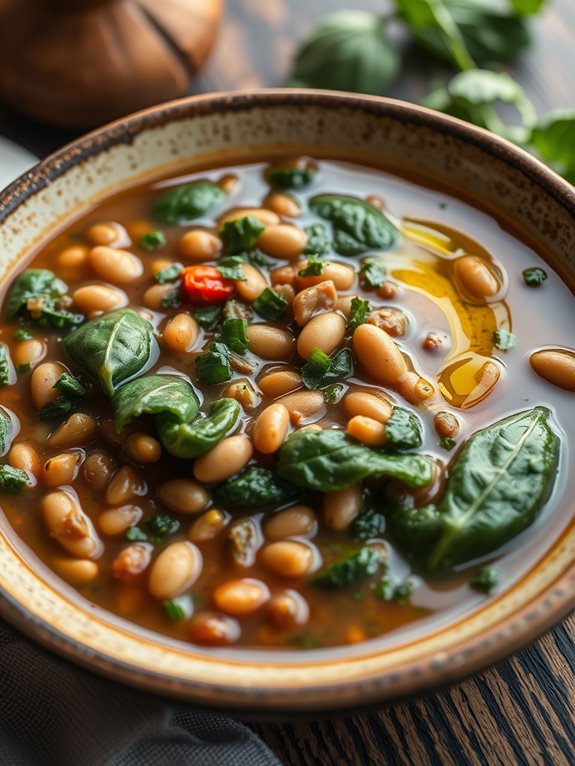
(488, 171)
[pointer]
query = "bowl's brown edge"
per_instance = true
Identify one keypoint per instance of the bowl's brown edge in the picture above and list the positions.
(515, 632)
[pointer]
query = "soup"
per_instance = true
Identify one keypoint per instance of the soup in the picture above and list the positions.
(291, 404)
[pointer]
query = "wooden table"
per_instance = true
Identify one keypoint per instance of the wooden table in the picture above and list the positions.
(523, 711)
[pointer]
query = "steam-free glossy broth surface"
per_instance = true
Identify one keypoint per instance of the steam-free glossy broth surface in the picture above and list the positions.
(230, 581)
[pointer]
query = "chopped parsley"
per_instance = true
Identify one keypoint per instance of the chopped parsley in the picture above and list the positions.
(152, 240)
(372, 273)
(534, 277)
(504, 340)
(359, 313)
(169, 274)
(313, 268)
(485, 580)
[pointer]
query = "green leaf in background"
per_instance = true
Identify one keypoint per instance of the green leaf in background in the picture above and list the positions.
(184, 204)
(151, 395)
(346, 51)
(553, 138)
(527, 7)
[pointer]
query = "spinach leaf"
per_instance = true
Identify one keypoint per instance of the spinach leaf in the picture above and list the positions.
(290, 178)
(56, 410)
(189, 440)
(151, 395)
(169, 274)
(354, 567)
(328, 460)
(498, 483)
(552, 139)
(360, 310)
(372, 273)
(504, 340)
(270, 305)
(185, 203)
(231, 267)
(6, 431)
(208, 317)
(5, 366)
(318, 240)
(447, 443)
(485, 580)
(403, 430)
(240, 234)
(112, 348)
(213, 365)
(346, 51)
(534, 277)
(235, 335)
(70, 385)
(12, 479)
(322, 370)
(254, 488)
(370, 523)
(39, 292)
(357, 226)
(333, 394)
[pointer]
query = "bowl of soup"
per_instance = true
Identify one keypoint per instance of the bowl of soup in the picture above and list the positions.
(287, 414)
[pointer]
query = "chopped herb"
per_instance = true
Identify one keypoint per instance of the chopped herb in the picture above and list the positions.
(356, 566)
(504, 340)
(359, 313)
(485, 580)
(534, 277)
(178, 609)
(389, 589)
(172, 300)
(57, 409)
(24, 368)
(290, 178)
(332, 394)
(208, 317)
(304, 641)
(70, 385)
(318, 240)
(169, 274)
(12, 479)
(270, 305)
(4, 367)
(402, 592)
(240, 234)
(321, 370)
(22, 334)
(372, 273)
(213, 365)
(41, 295)
(235, 335)
(447, 443)
(152, 240)
(313, 268)
(161, 525)
(136, 535)
(231, 267)
(369, 524)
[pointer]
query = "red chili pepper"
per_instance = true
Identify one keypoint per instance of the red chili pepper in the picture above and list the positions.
(205, 284)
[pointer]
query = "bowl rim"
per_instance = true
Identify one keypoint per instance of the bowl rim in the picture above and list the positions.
(501, 639)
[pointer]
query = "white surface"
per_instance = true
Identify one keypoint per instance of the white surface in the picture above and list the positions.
(14, 160)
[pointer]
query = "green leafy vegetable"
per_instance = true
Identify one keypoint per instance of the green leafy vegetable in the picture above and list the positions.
(255, 488)
(360, 310)
(152, 395)
(322, 370)
(534, 277)
(178, 609)
(56, 410)
(498, 483)
(41, 294)
(6, 431)
(447, 443)
(240, 234)
(313, 268)
(152, 240)
(208, 317)
(231, 267)
(235, 335)
(189, 440)
(346, 51)
(112, 348)
(169, 274)
(160, 526)
(318, 240)
(4, 366)
(389, 589)
(504, 340)
(172, 300)
(332, 394)
(213, 365)
(351, 569)
(12, 479)
(24, 368)
(403, 430)
(369, 524)
(297, 177)
(552, 139)
(357, 226)
(186, 203)
(22, 334)
(372, 273)
(270, 305)
(70, 386)
(136, 535)
(485, 580)
(328, 460)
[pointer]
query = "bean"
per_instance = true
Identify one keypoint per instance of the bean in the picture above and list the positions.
(61, 469)
(342, 506)
(342, 276)
(76, 571)
(367, 431)
(77, 431)
(244, 393)
(282, 241)
(229, 183)
(175, 570)
(434, 342)
(42, 382)
(103, 233)
(270, 428)
(325, 331)
(288, 609)
(368, 405)
(132, 561)
(253, 283)
(68, 524)
(415, 388)
(297, 521)
(98, 469)
(556, 366)
(116, 266)
(393, 321)
(181, 333)
(288, 558)
(183, 496)
(304, 406)
(283, 204)
(239, 597)
(126, 484)
(208, 526)
(199, 245)
(142, 448)
(446, 425)
(29, 352)
(287, 293)
(343, 304)
(280, 382)
(375, 201)
(265, 217)
(224, 460)
(378, 355)
(154, 295)
(269, 342)
(25, 457)
(388, 290)
(313, 300)
(284, 275)
(116, 521)
(212, 629)
(92, 298)
(474, 277)
(71, 260)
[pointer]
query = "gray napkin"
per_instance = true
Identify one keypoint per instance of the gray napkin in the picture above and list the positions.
(55, 714)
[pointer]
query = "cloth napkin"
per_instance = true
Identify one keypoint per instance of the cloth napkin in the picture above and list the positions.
(53, 713)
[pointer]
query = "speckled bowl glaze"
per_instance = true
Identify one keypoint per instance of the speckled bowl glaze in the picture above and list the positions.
(475, 164)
